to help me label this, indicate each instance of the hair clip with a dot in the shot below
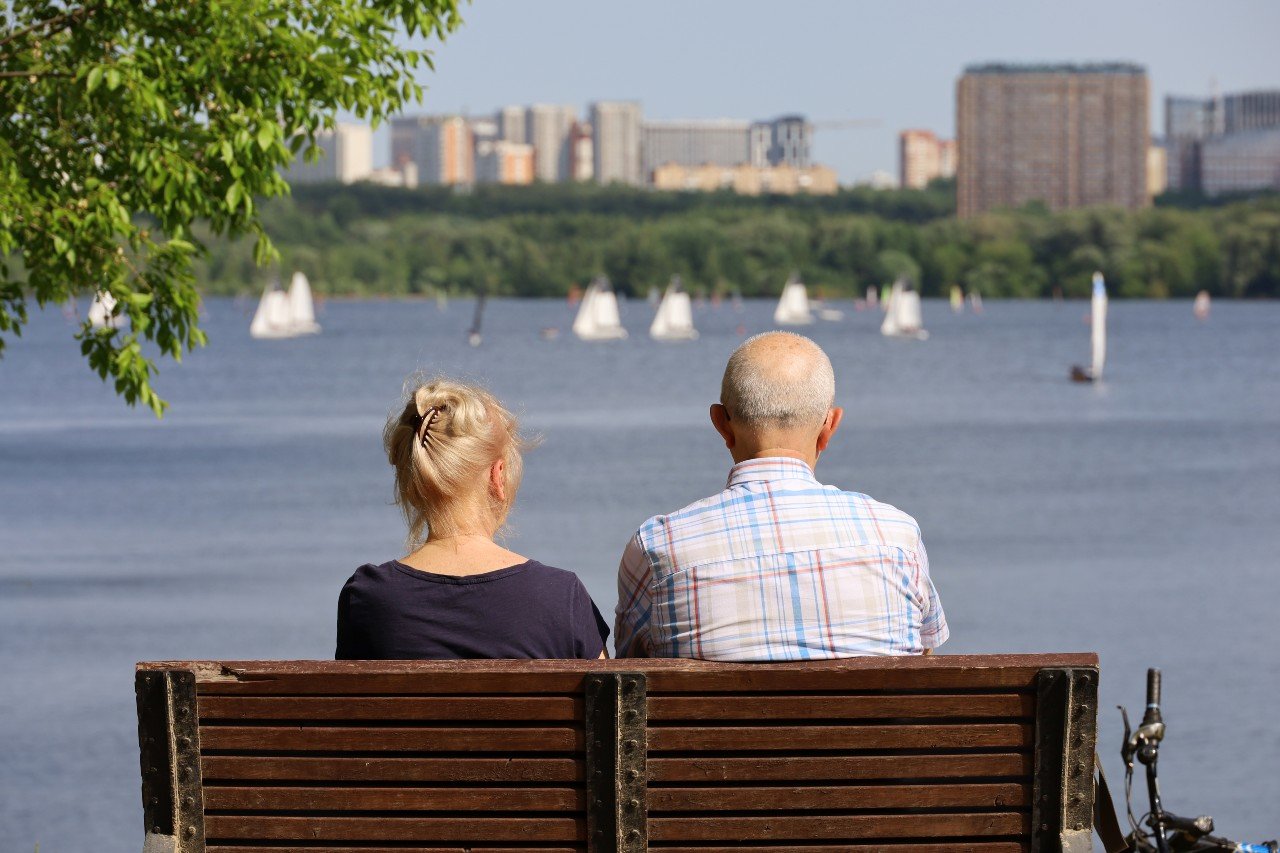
(425, 420)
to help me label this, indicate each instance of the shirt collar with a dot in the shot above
(769, 468)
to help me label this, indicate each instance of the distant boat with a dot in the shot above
(831, 315)
(674, 319)
(957, 299)
(102, 312)
(655, 296)
(597, 318)
(1201, 306)
(283, 314)
(1098, 335)
(975, 302)
(902, 317)
(473, 335)
(793, 305)
(873, 296)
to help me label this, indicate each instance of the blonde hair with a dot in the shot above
(442, 443)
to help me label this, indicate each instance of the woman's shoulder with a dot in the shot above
(539, 571)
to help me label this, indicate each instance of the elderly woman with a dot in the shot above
(458, 594)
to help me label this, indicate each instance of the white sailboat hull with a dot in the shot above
(285, 315)
(902, 318)
(100, 312)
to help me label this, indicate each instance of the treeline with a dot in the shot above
(542, 240)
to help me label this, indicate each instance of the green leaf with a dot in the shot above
(94, 79)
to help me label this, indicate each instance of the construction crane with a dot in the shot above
(845, 123)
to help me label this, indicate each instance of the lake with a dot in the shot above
(1139, 518)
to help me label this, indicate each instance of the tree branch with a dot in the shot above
(55, 24)
(4, 74)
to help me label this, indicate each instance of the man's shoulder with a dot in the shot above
(657, 527)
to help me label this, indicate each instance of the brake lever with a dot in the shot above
(1130, 745)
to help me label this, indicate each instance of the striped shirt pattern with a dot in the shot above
(777, 567)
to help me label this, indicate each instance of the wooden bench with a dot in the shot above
(943, 753)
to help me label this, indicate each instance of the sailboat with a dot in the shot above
(597, 318)
(284, 314)
(101, 312)
(1201, 306)
(902, 317)
(1098, 336)
(873, 297)
(793, 305)
(674, 320)
(473, 336)
(975, 302)
(957, 299)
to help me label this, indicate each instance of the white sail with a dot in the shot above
(793, 305)
(1098, 312)
(957, 299)
(100, 312)
(674, 319)
(902, 316)
(273, 319)
(302, 312)
(597, 318)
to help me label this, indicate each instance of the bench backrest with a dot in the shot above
(990, 753)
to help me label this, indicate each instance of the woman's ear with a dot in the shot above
(498, 480)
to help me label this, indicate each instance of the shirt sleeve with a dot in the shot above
(346, 649)
(590, 631)
(933, 626)
(635, 605)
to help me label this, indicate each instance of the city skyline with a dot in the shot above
(731, 60)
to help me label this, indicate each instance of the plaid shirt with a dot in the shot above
(777, 567)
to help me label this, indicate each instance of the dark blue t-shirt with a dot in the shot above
(394, 612)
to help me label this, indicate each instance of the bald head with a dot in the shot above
(778, 379)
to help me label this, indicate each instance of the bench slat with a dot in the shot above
(462, 848)
(473, 708)
(980, 796)
(377, 739)
(331, 799)
(795, 738)
(900, 847)
(270, 768)
(766, 707)
(662, 708)
(503, 830)
(836, 827)
(837, 768)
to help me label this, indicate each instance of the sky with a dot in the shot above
(895, 61)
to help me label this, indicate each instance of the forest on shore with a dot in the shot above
(367, 240)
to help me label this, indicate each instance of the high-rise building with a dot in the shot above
(791, 142)
(759, 144)
(1064, 135)
(616, 142)
(441, 147)
(1251, 111)
(547, 129)
(511, 124)
(346, 156)
(1187, 123)
(502, 162)
(582, 152)
(716, 142)
(922, 156)
(1245, 161)
(1157, 170)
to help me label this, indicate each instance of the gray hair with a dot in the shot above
(791, 384)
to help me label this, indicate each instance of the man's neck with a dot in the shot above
(774, 452)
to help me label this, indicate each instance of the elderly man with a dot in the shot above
(777, 566)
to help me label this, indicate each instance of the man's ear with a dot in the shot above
(720, 420)
(498, 480)
(829, 427)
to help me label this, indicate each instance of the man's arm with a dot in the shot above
(635, 606)
(933, 628)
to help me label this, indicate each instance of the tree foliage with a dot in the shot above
(124, 123)
(541, 240)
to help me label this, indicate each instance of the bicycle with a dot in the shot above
(1166, 832)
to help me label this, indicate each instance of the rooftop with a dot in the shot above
(1125, 68)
